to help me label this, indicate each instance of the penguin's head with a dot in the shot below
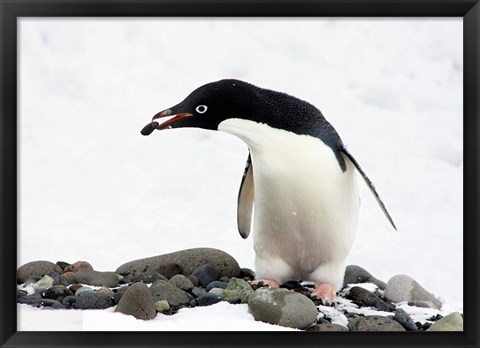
(207, 106)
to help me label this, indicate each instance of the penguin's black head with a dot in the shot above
(207, 106)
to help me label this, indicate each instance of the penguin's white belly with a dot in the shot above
(306, 207)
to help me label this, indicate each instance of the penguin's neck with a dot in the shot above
(281, 148)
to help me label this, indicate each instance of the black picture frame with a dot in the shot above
(12, 10)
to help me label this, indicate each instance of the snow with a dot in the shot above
(92, 188)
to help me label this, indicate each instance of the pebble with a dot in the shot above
(326, 327)
(62, 264)
(157, 276)
(374, 323)
(62, 281)
(246, 273)
(217, 284)
(75, 287)
(105, 291)
(404, 319)
(138, 301)
(217, 291)
(188, 259)
(92, 300)
(83, 290)
(57, 292)
(181, 282)
(206, 274)
(70, 276)
(58, 306)
(69, 301)
(207, 299)
(450, 322)
(355, 274)
(193, 279)
(36, 269)
(404, 288)
(162, 290)
(237, 291)
(79, 266)
(43, 284)
(53, 274)
(108, 279)
(162, 306)
(197, 291)
(282, 307)
(367, 298)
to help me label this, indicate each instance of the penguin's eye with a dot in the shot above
(201, 109)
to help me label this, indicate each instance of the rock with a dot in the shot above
(79, 266)
(75, 287)
(162, 306)
(404, 319)
(30, 299)
(197, 291)
(69, 301)
(169, 270)
(422, 304)
(224, 279)
(157, 276)
(162, 290)
(62, 281)
(404, 288)
(206, 274)
(367, 298)
(374, 323)
(137, 301)
(53, 274)
(216, 284)
(37, 269)
(57, 292)
(105, 291)
(193, 279)
(207, 299)
(181, 282)
(450, 322)
(83, 290)
(108, 279)
(58, 306)
(43, 284)
(188, 260)
(217, 291)
(327, 327)
(246, 273)
(92, 300)
(356, 274)
(237, 291)
(70, 276)
(282, 307)
(21, 293)
(62, 264)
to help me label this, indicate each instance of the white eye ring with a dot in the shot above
(201, 109)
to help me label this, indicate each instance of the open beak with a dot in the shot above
(149, 128)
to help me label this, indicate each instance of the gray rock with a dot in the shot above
(108, 279)
(57, 292)
(181, 282)
(79, 266)
(374, 323)
(237, 291)
(36, 269)
(137, 301)
(157, 276)
(44, 283)
(197, 291)
(356, 274)
(69, 301)
(83, 290)
(62, 281)
(206, 274)
(404, 288)
(93, 300)
(217, 291)
(282, 307)
(207, 299)
(367, 298)
(105, 291)
(188, 260)
(162, 306)
(217, 284)
(450, 322)
(404, 319)
(327, 327)
(162, 290)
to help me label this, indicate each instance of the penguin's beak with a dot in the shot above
(167, 124)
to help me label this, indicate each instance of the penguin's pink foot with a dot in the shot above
(263, 282)
(324, 292)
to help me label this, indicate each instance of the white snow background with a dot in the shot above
(92, 188)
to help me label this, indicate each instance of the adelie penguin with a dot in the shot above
(299, 176)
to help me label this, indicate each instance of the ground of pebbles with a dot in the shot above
(202, 277)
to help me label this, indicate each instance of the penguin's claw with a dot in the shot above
(263, 282)
(325, 293)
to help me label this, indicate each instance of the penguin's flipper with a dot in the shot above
(370, 186)
(245, 200)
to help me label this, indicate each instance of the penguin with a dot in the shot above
(298, 193)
